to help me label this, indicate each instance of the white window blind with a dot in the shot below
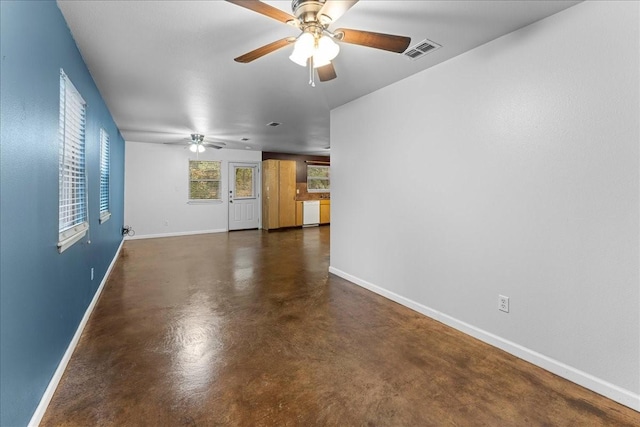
(104, 176)
(72, 218)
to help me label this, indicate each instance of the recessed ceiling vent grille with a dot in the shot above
(421, 49)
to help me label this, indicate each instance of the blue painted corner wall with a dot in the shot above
(44, 294)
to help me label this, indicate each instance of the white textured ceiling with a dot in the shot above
(166, 69)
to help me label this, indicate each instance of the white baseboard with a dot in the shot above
(57, 375)
(176, 234)
(600, 386)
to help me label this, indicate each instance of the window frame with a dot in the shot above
(105, 178)
(190, 180)
(327, 179)
(73, 211)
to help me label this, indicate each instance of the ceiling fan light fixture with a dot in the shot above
(196, 148)
(327, 48)
(320, 61)
(322, 49)
(305, 45)
(298, 58)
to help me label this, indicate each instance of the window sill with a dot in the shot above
(69, 237)
(204, 202)
(104, 217)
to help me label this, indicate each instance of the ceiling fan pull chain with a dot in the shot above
(311, 74)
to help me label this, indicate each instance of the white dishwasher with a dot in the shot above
(311, 212)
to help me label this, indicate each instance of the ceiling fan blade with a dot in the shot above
(388, 42)
(326, 72)
(208, 144)
(264, 9)
(334, 9)
(262, 51)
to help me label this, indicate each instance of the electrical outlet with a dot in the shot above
(91, 273)
(503, 303)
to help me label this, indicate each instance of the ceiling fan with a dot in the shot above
(315, 46)
(197, 143)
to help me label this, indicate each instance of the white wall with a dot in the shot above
(512, 169)
(157, 185)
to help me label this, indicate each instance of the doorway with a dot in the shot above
(244, 196)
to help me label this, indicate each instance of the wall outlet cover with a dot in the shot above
(503, 303)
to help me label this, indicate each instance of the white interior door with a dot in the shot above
(244, 196)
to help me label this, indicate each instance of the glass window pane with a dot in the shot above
(318, 179)
(204, 170)
(317, 172)
(244, 182)
(318, 184)
(206, 190)
(204, 180)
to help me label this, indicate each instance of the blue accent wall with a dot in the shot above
(44, 294)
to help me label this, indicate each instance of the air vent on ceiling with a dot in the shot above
(420, 49)
(274, 124)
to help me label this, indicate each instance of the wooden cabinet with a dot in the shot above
(299, 213)
(287, 203)
(278, 194)
(270, 194)
(325, 211)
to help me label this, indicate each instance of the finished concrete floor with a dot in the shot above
(248, 329)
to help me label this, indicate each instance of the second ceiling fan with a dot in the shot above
(315, 46)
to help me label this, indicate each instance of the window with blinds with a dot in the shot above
(204, 180)
(104, 176)
(73, 220)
